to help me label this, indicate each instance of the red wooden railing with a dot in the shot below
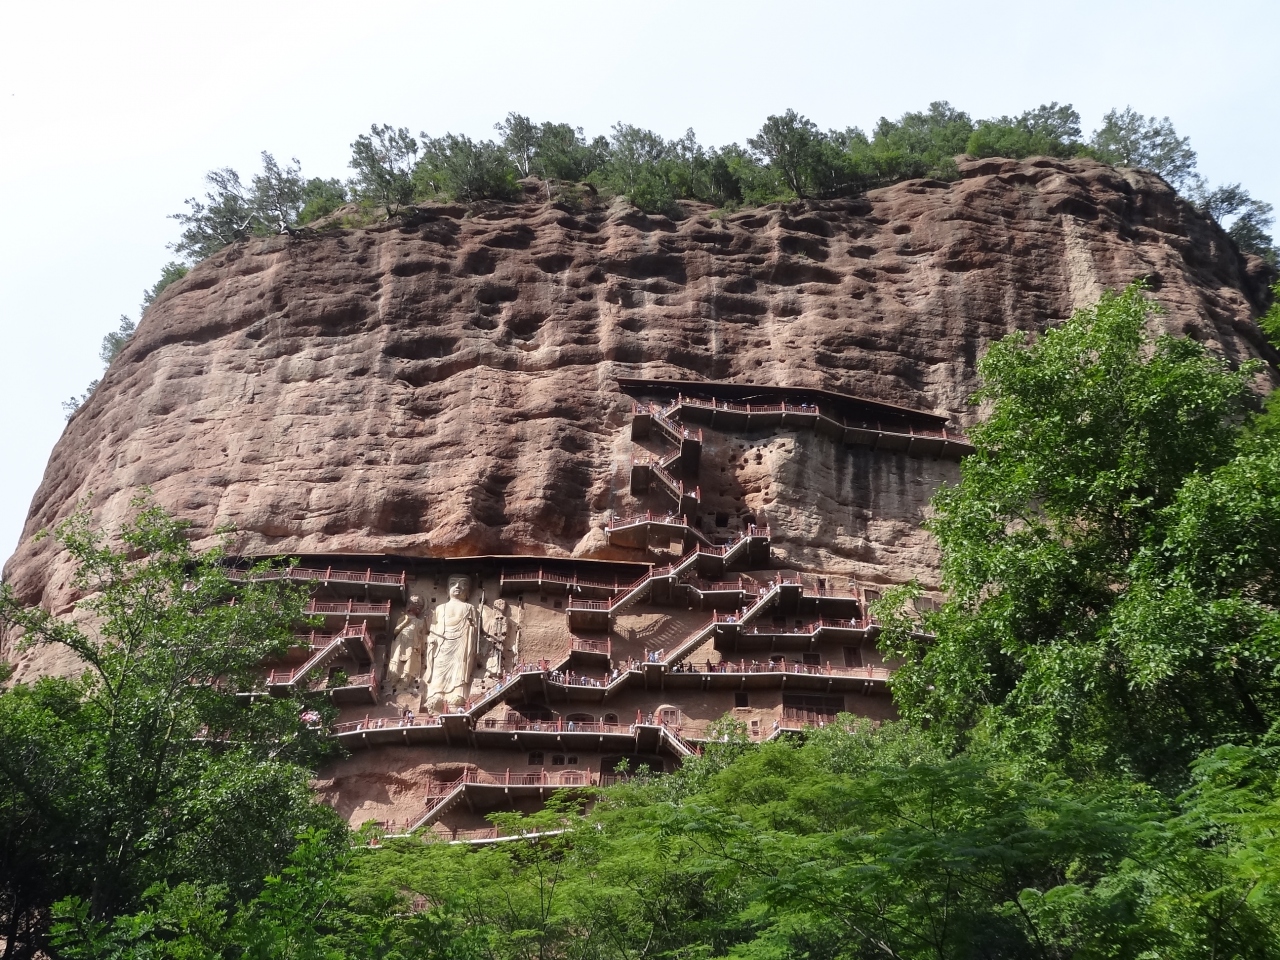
(386, 723)
(744, 667)
(689, 560)
(318, 641)
(320, 651)
(675, 432)
(815, 411)
(349, 608)
(591, 646)
(557, 726)
(550, 576)
(365, 577)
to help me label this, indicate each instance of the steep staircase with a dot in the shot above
(354, 641)
(598, 614)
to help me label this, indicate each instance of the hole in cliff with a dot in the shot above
(490, 293)
(516, 239)
(411, 268)
(790, 273)
(480, 261)
(650, 265)
(1075, 206)
(626, 353)
(739, 285)
(329, 317)
(553, 262)
(812, 225)
(423, 348)
(525, 326)
(731, 307)
(401, 512)
(804, 246)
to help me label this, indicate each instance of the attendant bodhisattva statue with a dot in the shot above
(405, 663)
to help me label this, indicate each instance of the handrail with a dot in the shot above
(386, 723)
(351, 608)
(329, 574)
(321, 654)
(744, 668)
(670, 519)
(815, 411)
(549, 576)
(625, 597)
(359, 680)
(557, 726)
(690, 643)
(567, 678)
(675, 486)
(675, 431)
(591, 646)
(542, 778)
(755, 606)
(317, 640)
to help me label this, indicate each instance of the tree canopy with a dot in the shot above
(1105, 554)
(789, 157)
(149, 768)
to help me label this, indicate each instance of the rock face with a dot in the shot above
(447, 385)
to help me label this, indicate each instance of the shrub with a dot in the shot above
(464, 169)
(1049, 130)
(384, 161)
(169, 273)
(320, 198)
(1129, 139)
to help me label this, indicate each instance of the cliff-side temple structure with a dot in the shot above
(512, 677)
(569, 484)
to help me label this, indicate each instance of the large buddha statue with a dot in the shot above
(453, 645)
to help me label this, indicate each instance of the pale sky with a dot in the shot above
(110, 113)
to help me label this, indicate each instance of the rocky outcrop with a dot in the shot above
(446, 384)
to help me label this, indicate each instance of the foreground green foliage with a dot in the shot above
(1111, 556)
(860, 842)
(147, 769)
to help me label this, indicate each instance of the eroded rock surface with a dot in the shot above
(447, 386)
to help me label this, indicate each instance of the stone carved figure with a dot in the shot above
(453, 646)
(496, 625)
(405, 663)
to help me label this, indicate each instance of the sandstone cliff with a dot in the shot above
(447, 385)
